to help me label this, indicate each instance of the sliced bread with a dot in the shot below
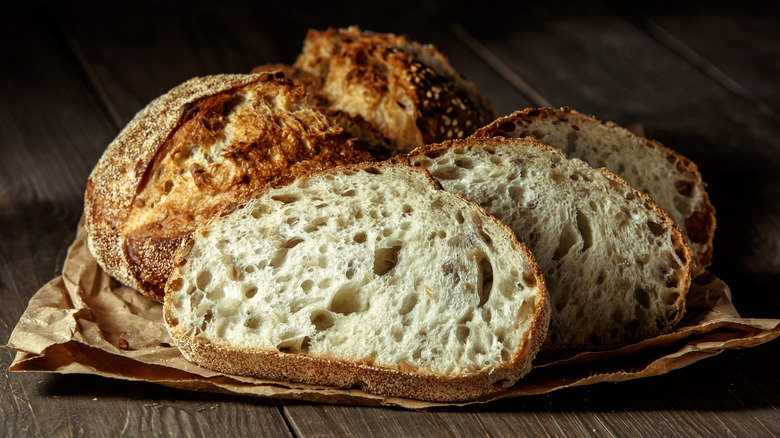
(368, 276)
(617, 267)
(672, 180)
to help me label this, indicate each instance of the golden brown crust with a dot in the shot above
(390, 91)
(207, 142)
(369, 377)
(699, 226)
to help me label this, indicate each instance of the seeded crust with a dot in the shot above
(674, 181)
(207, 142)
(391, 380)
(393, 92)
(529, 186)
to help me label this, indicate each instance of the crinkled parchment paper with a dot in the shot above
(85, 322)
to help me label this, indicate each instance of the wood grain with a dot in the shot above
(74, 74)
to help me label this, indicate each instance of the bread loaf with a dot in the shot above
(365, 276)
(617, 267)
(388, 90)
(670, 179)
(207, 142)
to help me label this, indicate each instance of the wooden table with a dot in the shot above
(703, 80)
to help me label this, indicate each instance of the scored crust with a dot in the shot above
(698, 224)
(209, 141)
(385, 380)
(393, 92)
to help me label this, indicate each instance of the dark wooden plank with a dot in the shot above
(734, 45)
(131, 64)
(52, 131)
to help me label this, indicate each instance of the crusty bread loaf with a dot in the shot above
(617, 267)
(367, 276)
(672, 180)
(207, 142)
(391, 91)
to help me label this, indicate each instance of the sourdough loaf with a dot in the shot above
(393, 92)
(617, 267)
(672, 180)
(368, 276)
(208, 142)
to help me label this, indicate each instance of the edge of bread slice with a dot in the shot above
(673, 181)
(366, 276)
(616, 266)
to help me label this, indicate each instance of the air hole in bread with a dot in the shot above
(465, 163)
(685, 188)
(347, 300)
(292, 243)
(585, 229)
(373, 170)
(292, 345)
(234, 274)
(448, 173)
(407, 209)
(557, 176)
(462, 334)
(349, 193)
(484, 279)
(405, 226)
(656, 229)
(442, 234)
(387, 232)
(286, 198)
(385, 259)
(322, 320)
(306, 285)
(279, 258)
(359, 237)
(250, 292)
(176, 284)
(408, 304)
(168, 187)
(459, 217)
(566, 240)
(203, 279)
(324, 283)
(643, 297)
(437, 204)
(529, 279)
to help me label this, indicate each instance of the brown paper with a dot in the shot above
(85, 322)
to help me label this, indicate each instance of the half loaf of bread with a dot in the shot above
(364, 276)
(393, 92)
(207, 142)
(672, 180)
(617, 267)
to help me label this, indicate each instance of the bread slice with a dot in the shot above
(672, 180)
(207, 142)
(367, 276)
(390, 90)
(617, 267)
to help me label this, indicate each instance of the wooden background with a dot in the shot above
(702, 79)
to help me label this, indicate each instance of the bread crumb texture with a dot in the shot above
(617, 268)
(371, 266)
